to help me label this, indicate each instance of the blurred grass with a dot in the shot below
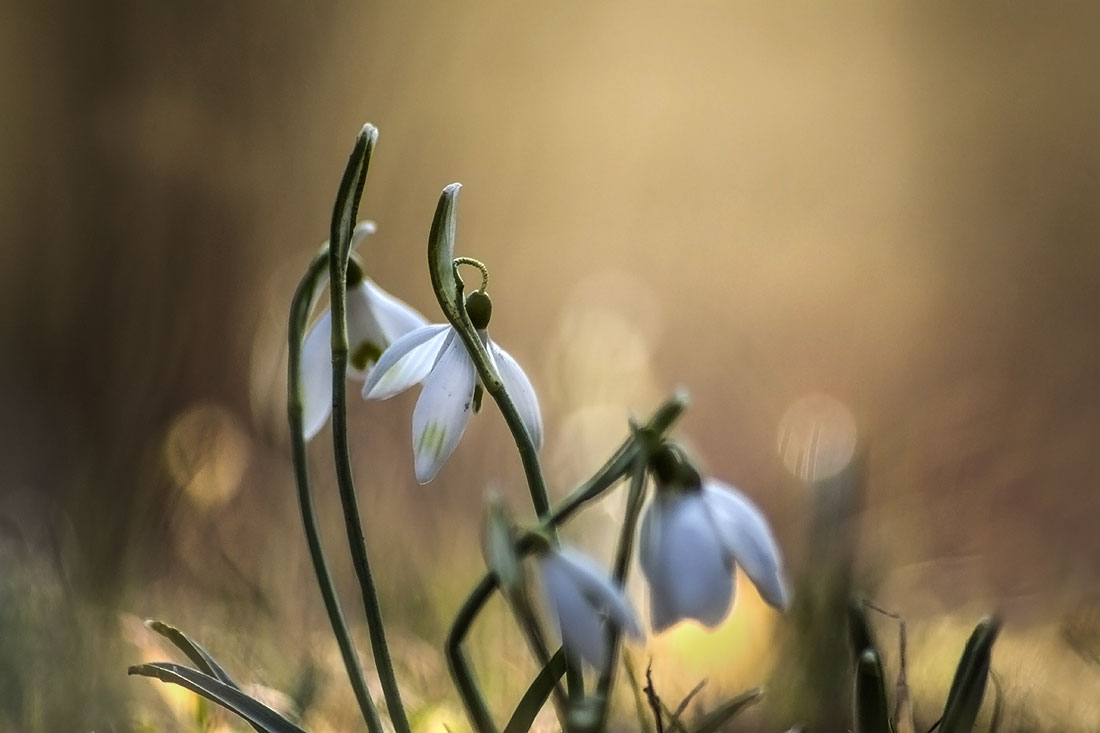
(893, 204)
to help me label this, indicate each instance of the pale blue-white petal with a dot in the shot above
(578, 624)
(443, 409)
(579, 596)
(406, 361)
(394, 317)
(747, 539)
(520, 390)
(684, 562)
(317, 376)
(598, 588)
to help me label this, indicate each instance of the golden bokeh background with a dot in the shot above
(866, 227)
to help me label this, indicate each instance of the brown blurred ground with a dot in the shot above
(892, 204)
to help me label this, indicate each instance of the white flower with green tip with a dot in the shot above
(375, 320)
(692, 539)
(436, 356)
(583, 600)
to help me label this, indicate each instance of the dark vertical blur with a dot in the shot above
(895, 205)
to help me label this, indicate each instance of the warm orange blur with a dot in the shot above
(892, 207)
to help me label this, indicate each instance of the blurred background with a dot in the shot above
(866, 228)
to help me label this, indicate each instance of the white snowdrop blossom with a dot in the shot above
(691, 541)
(436, 356)
(582, 600)
(375, 320)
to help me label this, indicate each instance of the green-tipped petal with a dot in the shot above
(443, 409)
(406, 362)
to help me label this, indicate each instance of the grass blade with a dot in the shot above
(255, 712)
(199, 656)
(536, 695)
(727, 711)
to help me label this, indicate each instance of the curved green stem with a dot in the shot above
(461, 671)
(343, 220)
(623, 552)
(299, 316)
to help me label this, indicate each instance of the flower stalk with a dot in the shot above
(343, 218)
(299, 315)
(624, 551)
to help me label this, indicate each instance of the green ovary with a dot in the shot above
(364, 354)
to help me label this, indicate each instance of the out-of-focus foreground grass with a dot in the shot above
(892, 204)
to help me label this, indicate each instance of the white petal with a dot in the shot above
(363, 328)
(579, 595)
(405, 362)
(684, 562)
(520, 390)
(394, 317)
(443, 409)
(747, 538)
(317, 376)
(362, 229)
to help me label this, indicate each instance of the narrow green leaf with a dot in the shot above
(255, 712)
(448, 287)
(727, 711)
(536, 695)
(871, 714)
(201, 658)
(441, 255)
(968, 687)
(349, 193)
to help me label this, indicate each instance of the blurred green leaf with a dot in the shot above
(727, 711)
(498, 546)
(536, 695)
(871, 714)
(968, 687)
(252, 710)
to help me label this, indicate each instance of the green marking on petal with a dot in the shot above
(432, 439)
(364, 354)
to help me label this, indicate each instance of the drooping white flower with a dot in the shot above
(692, 540)
(375, 320)
(436, 356)
(582, 600)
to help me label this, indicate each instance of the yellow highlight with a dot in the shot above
(733, 656)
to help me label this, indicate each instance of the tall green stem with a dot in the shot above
(623, 553)
(299, 316)
(343, 220)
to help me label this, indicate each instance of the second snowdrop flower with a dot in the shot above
(375, 320)
(694, 534)
(436, 356)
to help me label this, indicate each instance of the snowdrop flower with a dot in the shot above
(693, 536)
(436, 356)
(581, 597)
(375, 319)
